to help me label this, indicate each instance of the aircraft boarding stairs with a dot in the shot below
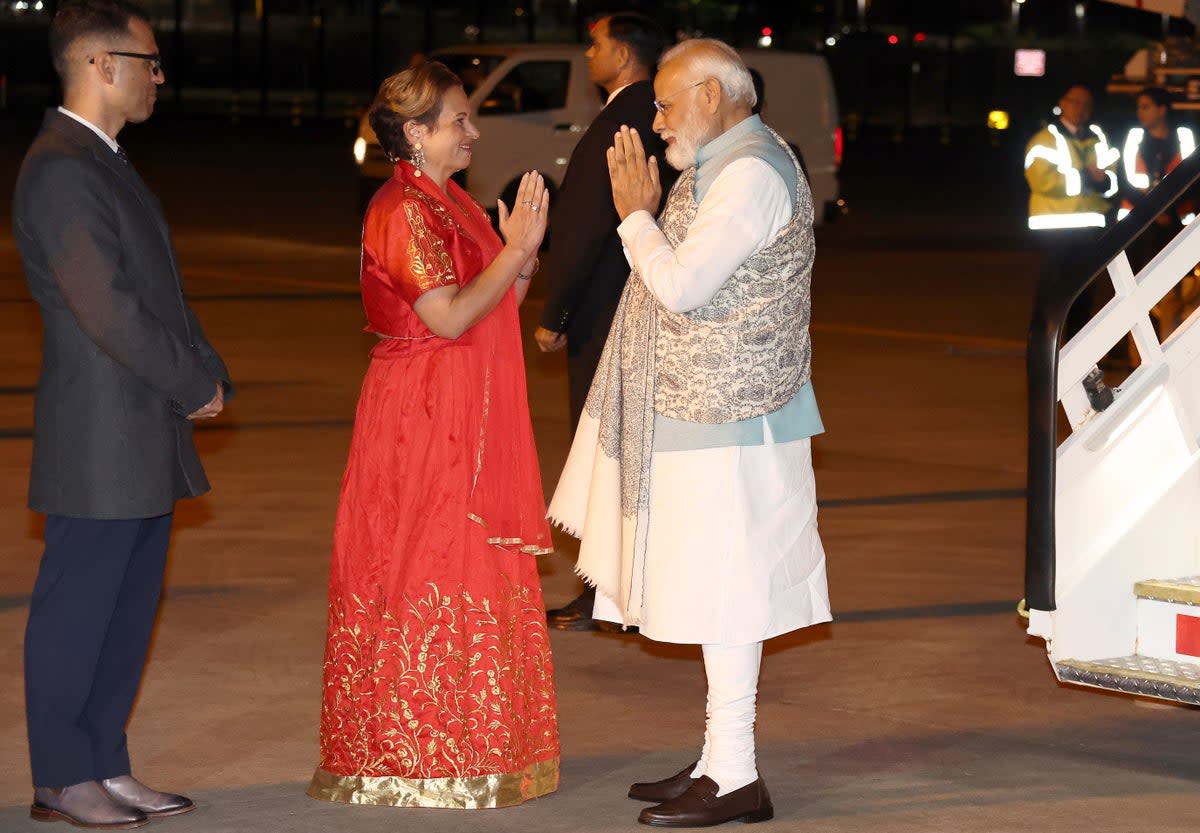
(1113, 525)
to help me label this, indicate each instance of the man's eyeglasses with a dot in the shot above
(660, 103)
(155, 59)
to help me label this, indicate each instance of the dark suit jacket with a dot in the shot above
(124, 359)
(586, 269)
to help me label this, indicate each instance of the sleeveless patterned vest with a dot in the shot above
(747, 352)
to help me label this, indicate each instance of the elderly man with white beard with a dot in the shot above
(690, 479)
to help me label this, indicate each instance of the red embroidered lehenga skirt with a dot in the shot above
(438, 682)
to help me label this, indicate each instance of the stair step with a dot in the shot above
(1179, 590)
(1135, 674)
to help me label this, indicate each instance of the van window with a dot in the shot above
(472, 69)
(530, 87)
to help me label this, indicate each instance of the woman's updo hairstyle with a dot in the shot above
(412, 95)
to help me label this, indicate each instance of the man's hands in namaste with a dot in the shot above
(635, 184)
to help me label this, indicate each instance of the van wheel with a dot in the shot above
(509, 196)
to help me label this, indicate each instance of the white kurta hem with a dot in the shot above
(733, 552)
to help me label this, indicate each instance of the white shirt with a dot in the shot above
(744, 209)
(108, 140)
(614, 94)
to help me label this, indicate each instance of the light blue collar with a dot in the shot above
(749, 137)
(728, 139)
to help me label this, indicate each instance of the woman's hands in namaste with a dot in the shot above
(525, 226)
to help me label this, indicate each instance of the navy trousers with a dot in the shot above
(90, 620)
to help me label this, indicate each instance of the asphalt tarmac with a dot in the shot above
(922, 708)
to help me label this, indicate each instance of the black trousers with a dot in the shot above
(587, 334)
(90, 621)
(1062, 250)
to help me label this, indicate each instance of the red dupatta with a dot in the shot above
(506, 496)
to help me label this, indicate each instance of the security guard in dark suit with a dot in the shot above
(586, 268)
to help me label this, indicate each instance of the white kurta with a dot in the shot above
(733, 554)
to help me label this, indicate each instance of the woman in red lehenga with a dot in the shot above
(438, 683)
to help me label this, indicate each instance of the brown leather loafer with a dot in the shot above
(85, 805)
(666, 789)
(700, 806)
(133, 793)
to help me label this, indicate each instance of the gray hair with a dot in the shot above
(712, 58)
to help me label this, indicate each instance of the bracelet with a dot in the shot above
(521, 276)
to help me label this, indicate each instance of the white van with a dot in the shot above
(533, 101)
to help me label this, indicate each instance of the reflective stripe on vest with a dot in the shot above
(1133, 143)
(1060, 158)
(1122, 213)
(1082, 219)
(1133, 146)
(1112, 184)
(1105, 155)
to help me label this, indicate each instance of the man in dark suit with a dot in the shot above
(125, 369)
(586, 269)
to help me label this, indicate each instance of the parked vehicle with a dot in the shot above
(532, 102)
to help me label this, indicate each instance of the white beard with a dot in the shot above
(681, 154)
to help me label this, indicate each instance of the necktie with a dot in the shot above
(122, 155)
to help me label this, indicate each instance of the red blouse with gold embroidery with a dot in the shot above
(412, 244)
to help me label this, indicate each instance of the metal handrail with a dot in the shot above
(1051, 302)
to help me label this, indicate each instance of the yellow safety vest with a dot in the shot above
(1062, 195)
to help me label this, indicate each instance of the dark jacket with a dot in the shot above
(124, 359)
(586, 268)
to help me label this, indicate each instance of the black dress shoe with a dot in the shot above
(86, 805)
(605, 626)
(700, 806)
(129, 791)
(666, 789)
(575, 615)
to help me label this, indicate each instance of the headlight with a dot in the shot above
(360, 150)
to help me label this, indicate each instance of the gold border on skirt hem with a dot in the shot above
(473, 793)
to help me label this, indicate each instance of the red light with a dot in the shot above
(893, 39)
(766, 31)
(838, 147)
(919, 37)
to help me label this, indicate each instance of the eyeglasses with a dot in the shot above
(155, 59)
(662, 107)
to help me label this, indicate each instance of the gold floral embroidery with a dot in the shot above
(444, 686)
(428, 259)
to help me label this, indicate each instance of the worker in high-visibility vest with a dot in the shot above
(1070, 168)
(1151, 151)
(1072, 174)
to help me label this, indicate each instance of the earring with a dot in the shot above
(418, 157)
